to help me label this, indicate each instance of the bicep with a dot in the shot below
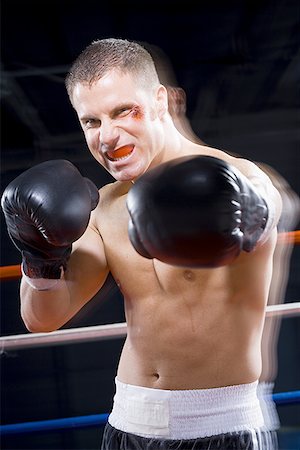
(87, 269)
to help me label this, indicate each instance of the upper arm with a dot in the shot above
(87, 269)
(86, 272)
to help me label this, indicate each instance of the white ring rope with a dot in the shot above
(102, 332)
(284, 310)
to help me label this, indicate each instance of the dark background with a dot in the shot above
(238, 62)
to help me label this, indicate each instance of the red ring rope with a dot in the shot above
(13, 272)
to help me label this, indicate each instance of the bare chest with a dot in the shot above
(141, 278)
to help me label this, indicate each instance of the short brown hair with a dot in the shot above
(106, 54)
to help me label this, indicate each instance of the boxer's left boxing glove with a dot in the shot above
(46, 209)
(196, 212)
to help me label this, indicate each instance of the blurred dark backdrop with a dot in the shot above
(238, 62)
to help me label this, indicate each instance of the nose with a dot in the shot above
(109, 136)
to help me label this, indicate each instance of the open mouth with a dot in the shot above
(120, 153)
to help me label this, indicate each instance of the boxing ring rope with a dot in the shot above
(10, 272)
(61, 337)
(97, 332)
(13, 272)
(92, 420)
(289, 237)
(75, 335)
(102, 332)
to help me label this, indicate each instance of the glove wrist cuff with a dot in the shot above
(42, 284)
(40, 267)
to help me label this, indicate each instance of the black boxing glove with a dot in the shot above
(194, 211)
(46, 209)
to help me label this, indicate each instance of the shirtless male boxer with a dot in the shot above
(190, 247)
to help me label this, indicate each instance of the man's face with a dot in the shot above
(121, 122)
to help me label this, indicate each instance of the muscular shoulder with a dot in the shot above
(245, 166)
(249, 169)
(111, 204)
(112, 192)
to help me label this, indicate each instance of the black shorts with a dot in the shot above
(114, 439)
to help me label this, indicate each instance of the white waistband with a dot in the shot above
(268, 406)
(185, 414)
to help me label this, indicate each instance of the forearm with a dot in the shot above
(48, 310)
(44, 311)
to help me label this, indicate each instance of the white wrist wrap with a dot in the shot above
(42, 284)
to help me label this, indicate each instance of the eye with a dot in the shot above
(124, 111)
(91, 123)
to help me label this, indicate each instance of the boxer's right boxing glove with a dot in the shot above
(47, 208)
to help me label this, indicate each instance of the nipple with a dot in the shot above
(189, 275)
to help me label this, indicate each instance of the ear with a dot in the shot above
(176, 101)
(162, 100)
